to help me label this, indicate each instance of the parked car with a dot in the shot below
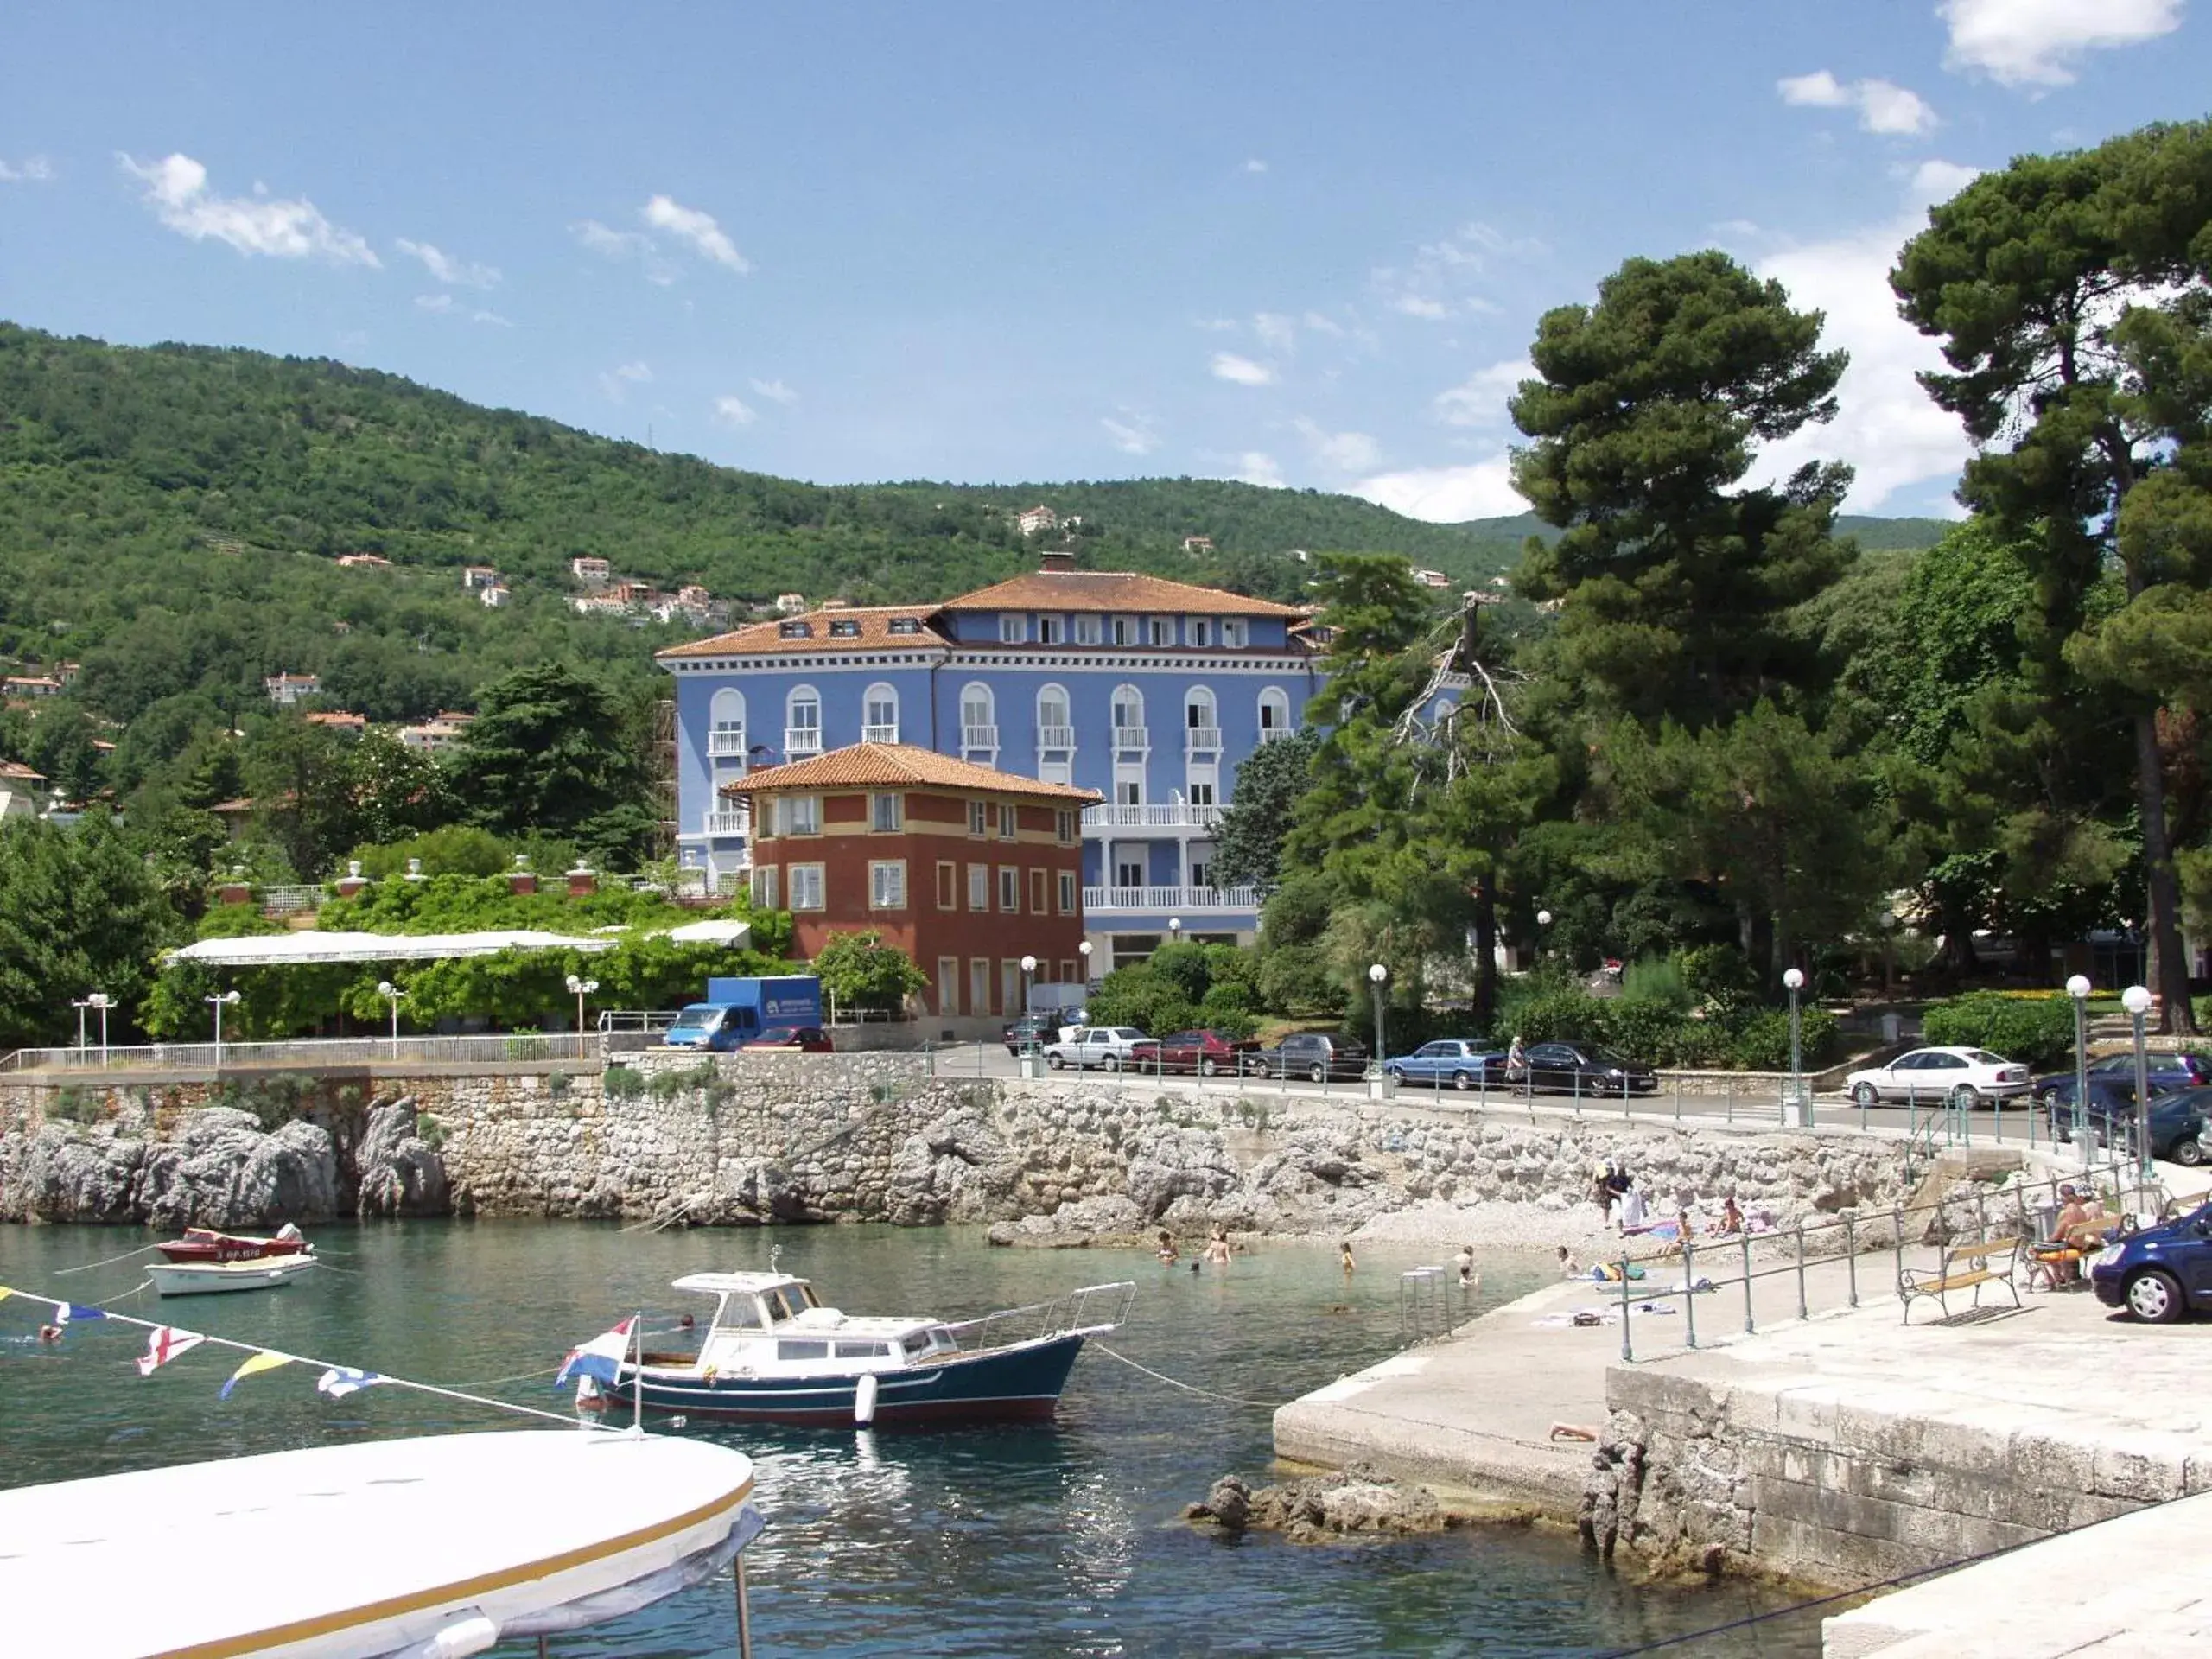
(1038, 1028)
(1206, 1052)
(1463, 1062)
(2108, 1095)
(1112, 1047)
(2159, 1273)
(1962, 1076)
(2165, 1071)
(790, 1039)
(2178, 1120)
(1317, 1056)
(1585, 1069)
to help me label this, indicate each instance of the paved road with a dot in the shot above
(2013, 1125)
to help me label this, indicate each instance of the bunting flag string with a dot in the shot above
(335, 1382)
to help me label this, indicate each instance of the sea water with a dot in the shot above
(1023, 1539)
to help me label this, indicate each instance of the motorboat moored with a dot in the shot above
(772, 1353)
(206, 1244)
(205, 1278)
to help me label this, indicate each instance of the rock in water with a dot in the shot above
(1229, 1504)
(62, 1175)
(401, 1174)
(1355, 1500)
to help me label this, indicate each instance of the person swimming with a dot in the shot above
(1167, 1251)
(1345, 1255)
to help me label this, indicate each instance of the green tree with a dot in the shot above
(859, 970)
(1646, 409)
(1248, 845)
(548, 753)
(2037, 280)
(79, 913)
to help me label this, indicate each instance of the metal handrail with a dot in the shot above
(1071, 1311)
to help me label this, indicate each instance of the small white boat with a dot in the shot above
(445, 1545)
(206, 1278)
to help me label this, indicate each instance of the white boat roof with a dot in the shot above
(721, 1284)
(354, 1551)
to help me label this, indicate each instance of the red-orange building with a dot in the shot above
(966, 868)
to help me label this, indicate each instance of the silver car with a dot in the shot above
(1111, 1048)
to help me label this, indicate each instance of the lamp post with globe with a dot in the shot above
(392, 993)
(1376, 974)
(581, 988)
(1793, 982)
(2077, 990)
(2137, 1000)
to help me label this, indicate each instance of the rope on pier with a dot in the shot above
(1203, 1393)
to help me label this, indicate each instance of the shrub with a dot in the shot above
(1718, 976)
(1761, 1043)
(430, 1131)
(622, 1083)
(556, 1084)
(1137, 996)
(2035, 1032)
(1643, 1028)
(1296, 980)
(73, 1105)
(1228, 1009)
(1564, 1016)
(1657, 980)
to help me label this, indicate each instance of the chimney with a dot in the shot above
(1055, 561)
(522, 878)
(351, 884)
(582, 881)
(235, 889)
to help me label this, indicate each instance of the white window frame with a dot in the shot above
(802, 815)
(1009, 822)
(1010, 882)
(979, 887)
(885, 803)
(1199, 630)
(720, 721)
(799, 697)
(809, 890)
(1014, 630)
(764, 887)
(1200, 699)
(1128, 631)
(1161, 631)
(877, 698)
(1087, 629)
(1236, 633)
(978, 694)
(886, 884)
(1067, 892)
(1126, 695)
(979, 818)
(1273, 697)
(1051, 630)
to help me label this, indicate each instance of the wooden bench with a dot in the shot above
(1965, 1265)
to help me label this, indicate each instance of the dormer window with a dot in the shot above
(1012, 630)
(1086, 630)
(1051, 630)
(795, 631)
(1201, 631)
(845, 627)
(905, 624)
(1236, 632)
(1125, 630)
(1163, 630)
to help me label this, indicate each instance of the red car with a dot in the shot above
(1206, 1052)
(791, 1039)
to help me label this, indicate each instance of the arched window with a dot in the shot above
(1128, 718)
(880, 715)
(726, 726)
(1055, 728)
(979, 721)
(802, 721)
(1198, 708)
(1274, 713)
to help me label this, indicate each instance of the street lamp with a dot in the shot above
(80, 1006)
(1083, 951)
(2078, 988)
(1793, 981)
(1028, 968)
(225, 1000)
(1376, 973)
(103, 1001)
(1174, 930)
(1543, 921)
(582, 989)
(1888, 921)
(2136, 1001)
(392, 994)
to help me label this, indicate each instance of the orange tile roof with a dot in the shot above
(1112, 590)
(867, 766)
(17, 770)
(875, 633)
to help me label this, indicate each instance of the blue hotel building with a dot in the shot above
(1152, 692)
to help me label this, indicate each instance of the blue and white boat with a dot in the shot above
(772, 1353)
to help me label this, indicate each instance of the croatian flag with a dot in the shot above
(341, 1380)
(65, 1312)
(600, 1357)
(164, 1344)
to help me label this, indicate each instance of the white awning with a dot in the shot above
(312, 945)
(735, 934)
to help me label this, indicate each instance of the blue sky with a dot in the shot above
(1299, 244)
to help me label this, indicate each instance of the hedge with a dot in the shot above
(1655, 1031)
(2033, 1031)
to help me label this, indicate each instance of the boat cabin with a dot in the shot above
(772, 1323)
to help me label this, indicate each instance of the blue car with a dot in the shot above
(1460, 1061)
(2165, 1072)
(2161, 1273)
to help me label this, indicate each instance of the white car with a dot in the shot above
(1110, 1046)
(1957, 1077)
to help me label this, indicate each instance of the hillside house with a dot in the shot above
(442, 731)
(790, 604)
(338, 720)
(31, 685)
(363, 561)
(593, 573)
(494, 596)
(1432, 578)
(599, 605)
(23, 791)
(285, 690)
(473, 576)
(1037, 521)
(1198, 544)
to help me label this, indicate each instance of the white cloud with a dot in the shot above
(612, 243)
(774, 390)
(736, 410)
(1134, 434)
(1888, 429)
(1447, 495)
(492, 318)
(1316, 323)
(32, 170)
(1348, 452)
(699, 229)
(176, 189)
(1437, 282)
(1479, 400)
(1417, 305)
(1257, 466)
(1883, 106)
(1939, 180)
(1256, 165)
(1274, 330)
(2033, 42)
(441, 303)
(444, 268)
(444, 305)
(1241, 370)
(616, 382)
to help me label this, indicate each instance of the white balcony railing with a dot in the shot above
(1181, 900)
(1132, 737)
(1199, 738)
(1056, 737)
(979, 737)
(729, 823)
(725, 744)
(1172, 814)
(878, 735)
(802, 740)
(1268, 734)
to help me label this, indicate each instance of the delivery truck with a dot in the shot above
(737, 1009)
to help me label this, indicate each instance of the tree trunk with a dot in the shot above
(2169, 967)
(1485, 957)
